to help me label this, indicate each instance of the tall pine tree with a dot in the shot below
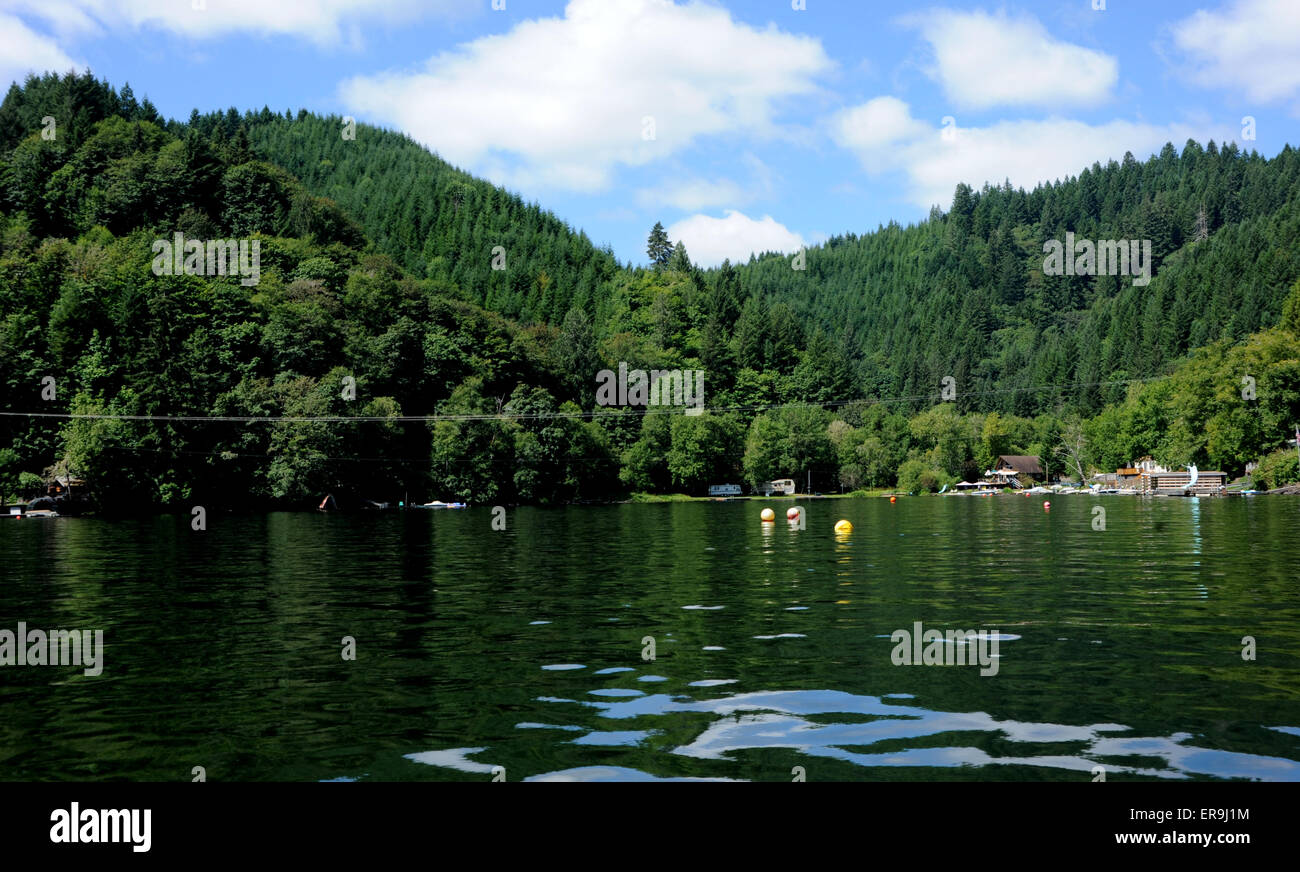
(659, 247)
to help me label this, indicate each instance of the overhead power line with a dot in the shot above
(608, 412)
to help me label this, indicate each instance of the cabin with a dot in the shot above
(1021, 468)
(724, 490)
(64, 486)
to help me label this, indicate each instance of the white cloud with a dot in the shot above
(1253, 46)
(325, 22)
(26, 51)
(873, 128)
(984, 60)
(934, 160)
(710, 240)
(691, 195)
(63, 16)
(561, 102)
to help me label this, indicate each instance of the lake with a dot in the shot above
(526, 648)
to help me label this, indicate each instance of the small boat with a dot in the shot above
(438, 504)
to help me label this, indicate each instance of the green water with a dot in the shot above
(523, 648)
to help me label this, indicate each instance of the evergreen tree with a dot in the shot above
(149, 113)
(130, 108)
(575, 356)
(658, 247)
(680, 261)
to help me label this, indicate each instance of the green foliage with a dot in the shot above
(645, 462)
(942, 437)
(790, 442)
(870, 454)
(574, 354)
(1226, 406)
(704, 450)
(658, 246)
(10, 470)
(964, 294)
(1291, 310)
(377, 265)
(432, 219)
(680, 261)
(914, 477)
(1277, 469)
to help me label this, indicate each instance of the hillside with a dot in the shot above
(82, 303)
(435, 220)
(961, 294)
(376, 265)
(964, 294)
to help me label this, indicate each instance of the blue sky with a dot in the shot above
(742, 126)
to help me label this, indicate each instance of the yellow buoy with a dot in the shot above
(768, 515)
(843, 527)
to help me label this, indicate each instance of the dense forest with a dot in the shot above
(962, 294)
(468, 327)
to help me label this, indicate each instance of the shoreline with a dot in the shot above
(648, 498)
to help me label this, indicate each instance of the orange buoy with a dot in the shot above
(893, 499)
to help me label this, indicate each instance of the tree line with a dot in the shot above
(379, 272)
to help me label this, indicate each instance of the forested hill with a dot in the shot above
(435, 220)
(964, 294)
(328, 326)
(368, 304)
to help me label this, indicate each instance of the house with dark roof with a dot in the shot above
(1019, 467)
